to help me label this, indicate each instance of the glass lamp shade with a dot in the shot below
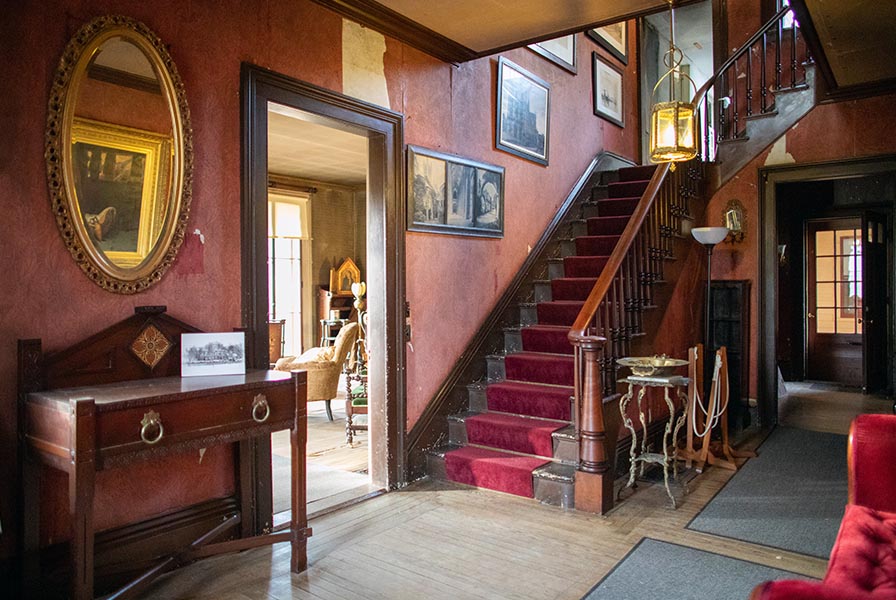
(672, 132)
(709, 236)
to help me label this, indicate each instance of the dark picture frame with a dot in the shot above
(560, 51)
(612, 38)
(522, 122)
(454, 195)
(606, 86)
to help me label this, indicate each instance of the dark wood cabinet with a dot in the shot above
(729, 326)
(333, 310)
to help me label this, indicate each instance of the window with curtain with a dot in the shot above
(288, 226)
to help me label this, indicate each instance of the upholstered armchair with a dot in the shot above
(863, 562)
(323, 364)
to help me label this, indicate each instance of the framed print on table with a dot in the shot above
(523, 113)
(607, 87)
(613, 38)
(560, 51)
(455, 195)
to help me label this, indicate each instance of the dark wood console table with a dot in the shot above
(84, 430)
(116, 399)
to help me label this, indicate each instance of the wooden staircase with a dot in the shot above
(536, 424)
(518, 434)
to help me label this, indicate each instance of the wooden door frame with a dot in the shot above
(386, 213)
(769, 178)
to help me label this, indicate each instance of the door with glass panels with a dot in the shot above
(834, 290)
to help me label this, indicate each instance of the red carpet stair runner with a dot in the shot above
(517, 437)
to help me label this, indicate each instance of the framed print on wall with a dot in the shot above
(613, 38)
(523, 113)
(455, 195)
(560, 51)
(606, 84)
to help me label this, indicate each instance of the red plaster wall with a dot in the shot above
(452, 281)
(829, 132)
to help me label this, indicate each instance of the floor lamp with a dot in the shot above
(709, 237)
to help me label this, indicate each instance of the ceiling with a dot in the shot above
(461, 30)
(302, 149)
(853, 42)
(857, 39)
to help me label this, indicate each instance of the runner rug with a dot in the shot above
(792, 496)
(656, 570)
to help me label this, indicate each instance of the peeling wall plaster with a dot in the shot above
(363, 74)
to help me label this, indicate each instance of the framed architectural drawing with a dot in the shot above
(613, 38)
(452, 194)
(560, 51)
(523, 113)
(607, 88)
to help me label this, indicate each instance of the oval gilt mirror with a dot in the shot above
(119, 154)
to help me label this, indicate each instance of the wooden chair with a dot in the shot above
(356, 382)
(276, 342)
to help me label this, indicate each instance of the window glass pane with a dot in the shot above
(825, 320)
(824, 243)
(825, 269)
(825, 296)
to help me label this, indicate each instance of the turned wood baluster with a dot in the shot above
(749, 82)
(778, 37)
(763, 83)
(793, 63)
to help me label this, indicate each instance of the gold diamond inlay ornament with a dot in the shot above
(151, 346)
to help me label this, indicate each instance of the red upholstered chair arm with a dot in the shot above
(793, 589)
(872, 462)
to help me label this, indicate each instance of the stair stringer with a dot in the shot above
(762, 131)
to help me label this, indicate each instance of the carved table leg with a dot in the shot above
(666, 432)
(80, 497)
(627, 422)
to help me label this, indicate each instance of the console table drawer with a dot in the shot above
(193, 422)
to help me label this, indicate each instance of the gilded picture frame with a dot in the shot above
(341, 279)
(119, 174)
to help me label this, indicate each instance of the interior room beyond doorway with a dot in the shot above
(317, 233)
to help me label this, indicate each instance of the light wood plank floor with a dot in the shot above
(439, 540)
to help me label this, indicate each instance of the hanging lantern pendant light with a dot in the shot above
(673, 128)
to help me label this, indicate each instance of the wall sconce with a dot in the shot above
(735, 218)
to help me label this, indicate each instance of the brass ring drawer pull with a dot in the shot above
(260, 409)
(151, 420)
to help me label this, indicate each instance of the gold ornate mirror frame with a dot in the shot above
(130, 275)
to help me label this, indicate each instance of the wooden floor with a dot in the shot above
(438, 540)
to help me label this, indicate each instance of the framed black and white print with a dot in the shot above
(523, 113)
(613, 38)
(607, 89)
(560, 51)
(455, 195)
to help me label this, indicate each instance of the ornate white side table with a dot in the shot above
(640, 455)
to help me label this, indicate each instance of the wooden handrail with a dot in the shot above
(594, 477)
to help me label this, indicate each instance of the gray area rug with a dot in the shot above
(656, 570)
(792, 496)
(322, 482)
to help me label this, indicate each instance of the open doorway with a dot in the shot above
(269, 97)
(317, 223)
(826, 320)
